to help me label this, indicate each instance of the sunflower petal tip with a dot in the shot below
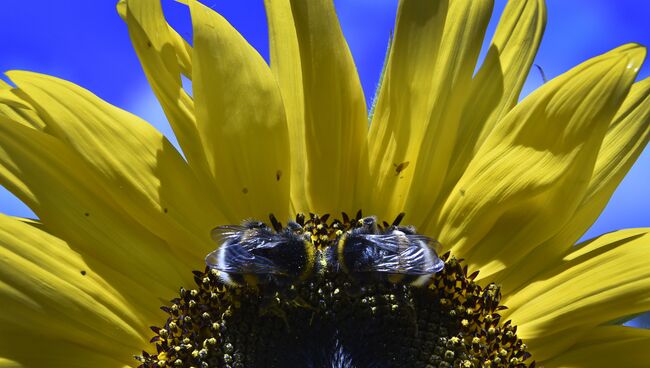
(14, 74)
(628, 59)
(635, 53)
(636, 57)
(121, 9)
(17, 73)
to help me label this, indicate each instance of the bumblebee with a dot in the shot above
(255, 254)
(396, 254)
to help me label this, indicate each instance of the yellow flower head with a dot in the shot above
(504, 188)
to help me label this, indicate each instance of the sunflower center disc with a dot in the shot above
(331, 320)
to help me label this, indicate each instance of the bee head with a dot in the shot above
(294, 227)
(368, 225)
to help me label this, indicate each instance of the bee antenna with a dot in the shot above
(359, 215)
(398, 219)
(325, 217)
(277, 225)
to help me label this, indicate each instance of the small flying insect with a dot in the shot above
(396, 254)
(254, 254)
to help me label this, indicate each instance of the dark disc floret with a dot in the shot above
(332, 320)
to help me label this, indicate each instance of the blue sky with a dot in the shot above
(87, 43)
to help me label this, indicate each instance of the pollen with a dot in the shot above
(330, 317)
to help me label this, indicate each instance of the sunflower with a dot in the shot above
(505, 187)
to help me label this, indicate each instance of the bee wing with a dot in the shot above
(393, 253)
(249, 238)
(222, 234)
(234, 258)
(241, 251)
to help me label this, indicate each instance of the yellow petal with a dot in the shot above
(18, 109)
(8, 97)
(75, 204)
(414, 125)
(6, 363)
(164, 56)
(31, 222)
(241, 120)
(334, 116)
(605, 347)
(494, 91)
(143, 173)
(528, 178)
(44, 295)
(35, 351)
(601, 281)
(148, 14)
(285, 65)
(626, 138)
